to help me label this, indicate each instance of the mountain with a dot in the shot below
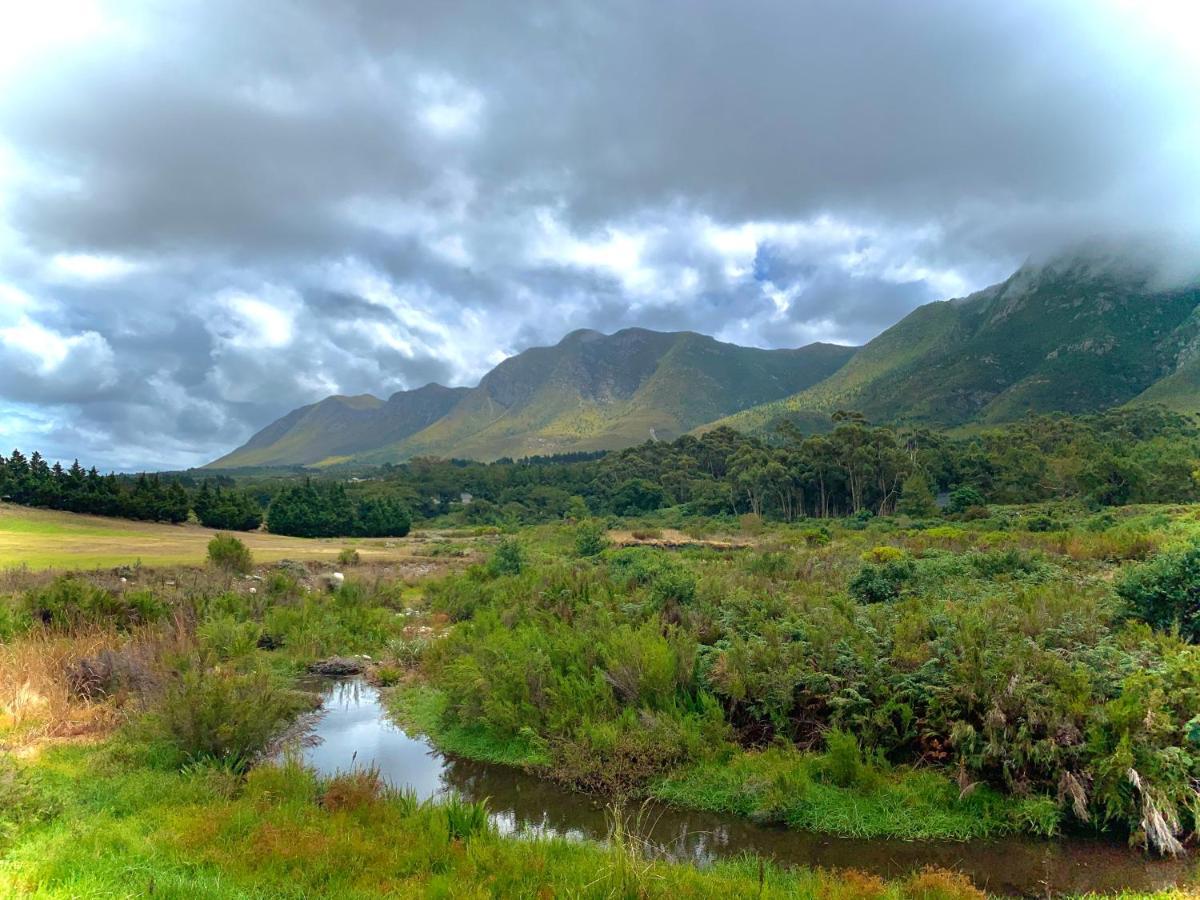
(588, 392)
(1080, 334)
(339, 427)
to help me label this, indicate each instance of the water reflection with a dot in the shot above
(354, 730)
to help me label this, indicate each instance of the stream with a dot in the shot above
(355, 730)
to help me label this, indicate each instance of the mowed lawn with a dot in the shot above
(47, 539)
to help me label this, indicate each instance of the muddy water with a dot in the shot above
(354, 730)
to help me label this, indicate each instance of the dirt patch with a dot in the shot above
(673, 539)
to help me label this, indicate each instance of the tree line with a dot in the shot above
(1146, 455)
(304, 510)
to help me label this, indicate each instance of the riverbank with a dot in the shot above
(774, 786)
(96, 821)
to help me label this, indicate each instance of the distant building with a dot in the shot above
(465, 499)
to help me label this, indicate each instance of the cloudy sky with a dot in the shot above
(212, 212)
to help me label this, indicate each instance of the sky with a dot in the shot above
(214, 211)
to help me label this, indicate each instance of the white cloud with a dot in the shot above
(253, 323)
(90, 267)
(47, 366)
(448, 108)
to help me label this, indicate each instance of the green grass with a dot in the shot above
(774, 786)
(105, 827)
(419, 708)
(786, 787)
(49, 539)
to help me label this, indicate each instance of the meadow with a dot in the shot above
(49, 539)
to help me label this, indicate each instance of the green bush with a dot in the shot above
(881, 582)
(508, 559)
(228, 637)
(221, 715)
(348, 556)
(843, 761)
(71, 602)
(1164, 592)
(590, 539)
(963, 498)
(229, 554)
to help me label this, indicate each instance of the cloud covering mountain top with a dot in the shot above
(211, 213)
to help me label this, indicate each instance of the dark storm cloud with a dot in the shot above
(213, 212)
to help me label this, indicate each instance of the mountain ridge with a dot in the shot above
(1073, 335)
(590, 391)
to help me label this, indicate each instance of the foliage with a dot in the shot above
(883, 581)
(590, 539)
(466, 819)
(1165, 591)
(33, 481)
(916, 499)
(220, 715)
(508, 558)
(226, 508)
(962, 498)
(325, 509)
(228, 553)
(73, 602)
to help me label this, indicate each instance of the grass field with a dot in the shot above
(47, 539)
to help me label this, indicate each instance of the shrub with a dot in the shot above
(229, 637)
(963, 498)
(387, 676)
(1165, 591)
(843, 762)
(590, 539)
(230, 554)
(509, 558)
(881, 582)
(354, 789)
(674, 586)
(71, 602)
(226, 717)
(348, 556)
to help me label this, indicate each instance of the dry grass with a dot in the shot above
(35, 702)
(672, 537)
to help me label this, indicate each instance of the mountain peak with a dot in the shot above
(589, 391)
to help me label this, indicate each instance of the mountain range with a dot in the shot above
(588, 392)
(1081, 333)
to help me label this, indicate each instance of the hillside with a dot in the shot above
(1077, 335)
(588, 392)
(342, 426)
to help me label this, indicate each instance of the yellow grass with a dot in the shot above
(673, 537)
(34, 700)
(47, 539)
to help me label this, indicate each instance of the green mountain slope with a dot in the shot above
(1076, 335)
(342, 426)
(588, 392)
